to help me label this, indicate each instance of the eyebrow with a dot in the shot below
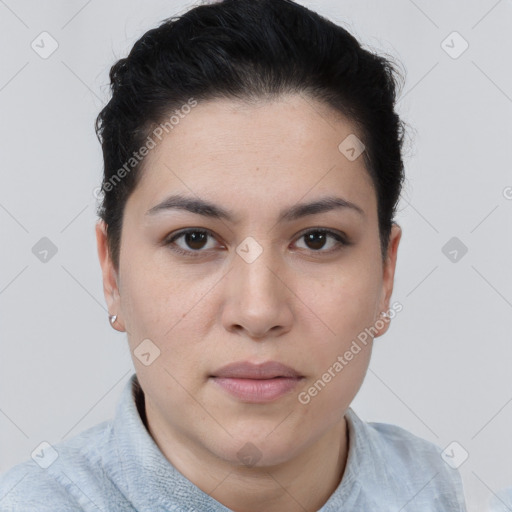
(208, 209)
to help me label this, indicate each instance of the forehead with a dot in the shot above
(280, 150)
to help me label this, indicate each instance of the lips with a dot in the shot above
(246, 370)
(256, 383)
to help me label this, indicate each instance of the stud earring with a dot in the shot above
(112, 319)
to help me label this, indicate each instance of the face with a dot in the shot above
(253, 279)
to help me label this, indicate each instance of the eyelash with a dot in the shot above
(342, 241)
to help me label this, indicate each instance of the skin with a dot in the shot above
(298, 303)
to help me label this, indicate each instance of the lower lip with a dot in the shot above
(257, 390)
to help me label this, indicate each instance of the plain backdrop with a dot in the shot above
(443, 370)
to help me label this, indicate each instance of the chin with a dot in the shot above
(261, 449)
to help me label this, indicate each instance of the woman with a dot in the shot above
(252, 167)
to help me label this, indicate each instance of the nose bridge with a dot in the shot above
(254, 268)
(256, 298)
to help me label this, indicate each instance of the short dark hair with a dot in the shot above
(248, 50)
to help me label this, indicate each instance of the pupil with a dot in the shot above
(319, 242)
(195, 238)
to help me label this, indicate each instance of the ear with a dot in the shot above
(110, 277)
(389, 266)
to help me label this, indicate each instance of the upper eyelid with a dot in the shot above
(180, 233)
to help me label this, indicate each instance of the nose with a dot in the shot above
(257, 298)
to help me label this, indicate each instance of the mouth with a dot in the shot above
(256, 383)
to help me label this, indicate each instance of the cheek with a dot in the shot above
(151, 299)
(167, 305)
(339, 355)
(339, 348)
(154, 306)
(343, 302)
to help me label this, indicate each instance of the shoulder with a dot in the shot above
(26, 487)
(500, 501)
(412, 465)
(65, 477)
(406, 448)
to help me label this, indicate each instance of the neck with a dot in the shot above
(301, 484)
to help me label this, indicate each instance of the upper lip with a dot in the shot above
(247, 370)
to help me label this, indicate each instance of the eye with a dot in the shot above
(316, 239)
(194, 241)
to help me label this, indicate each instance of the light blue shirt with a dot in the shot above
(500, 501)
(116, 466)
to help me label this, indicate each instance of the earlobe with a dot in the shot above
(109, 274)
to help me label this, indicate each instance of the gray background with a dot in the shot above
(443, 371)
